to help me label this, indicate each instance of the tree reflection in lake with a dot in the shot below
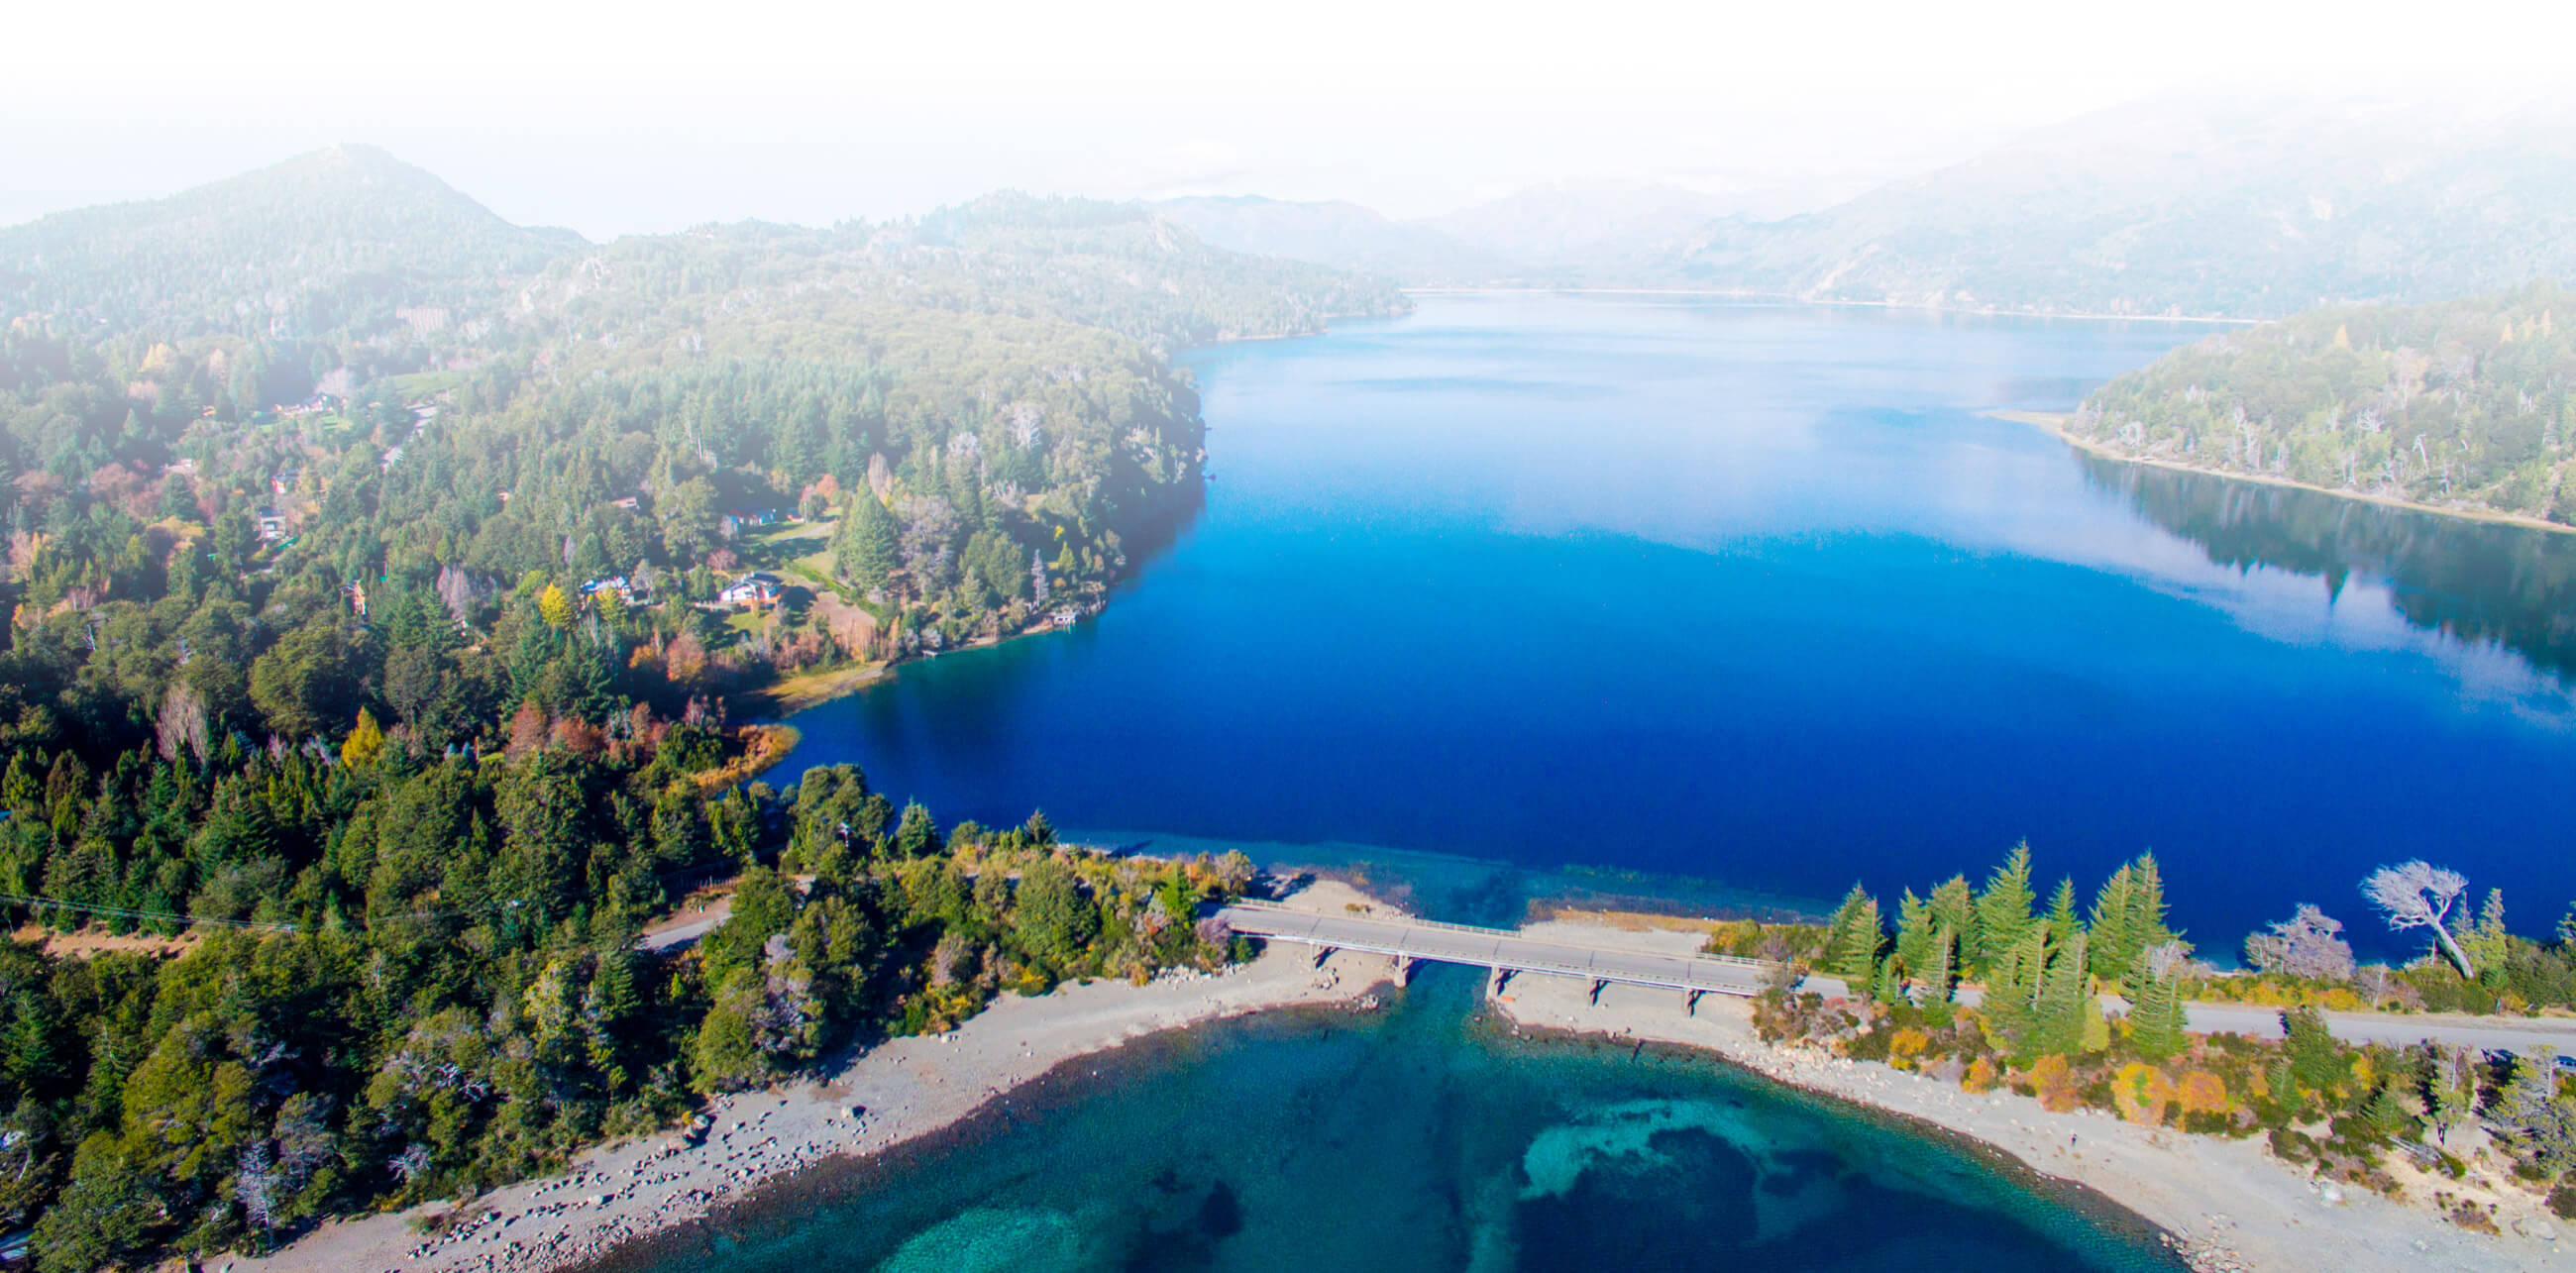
(2474, 581)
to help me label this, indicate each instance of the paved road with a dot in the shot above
(1503, 949)
(2491, 1034)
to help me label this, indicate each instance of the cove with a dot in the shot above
(1760, 595)
(1414, 1139)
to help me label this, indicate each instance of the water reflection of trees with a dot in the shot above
(2476, 581)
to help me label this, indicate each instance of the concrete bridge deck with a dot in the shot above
(1505, 952)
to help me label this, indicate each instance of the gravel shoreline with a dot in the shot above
(2228, 1204)
(895, 1093)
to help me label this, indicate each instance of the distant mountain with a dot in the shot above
(1578, 224)
(1337, 234)
(1146, 276)
(2243, 207)
(336, 240)
(1562, 234)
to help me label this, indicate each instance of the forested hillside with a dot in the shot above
(377, 577)
(347, 241)
(2461, 405)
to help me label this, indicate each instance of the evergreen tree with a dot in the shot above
(1916, 927)
(2146, 926)
(866, 550)
(2115, 946)
(2003, 911)
(1939, 975)
(1954, 905)
(2062, 924)
(1853, 939)
(2013, 982)
(2486, 941)
(2155, 1012)
(2065, 1003)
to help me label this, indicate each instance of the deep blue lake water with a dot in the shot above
(1759, 595)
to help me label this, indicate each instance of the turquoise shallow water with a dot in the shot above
(1412, 1140)
(1760, 595)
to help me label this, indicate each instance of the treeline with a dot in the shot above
(2038, 1023)
(2464, 404)
(444, 991)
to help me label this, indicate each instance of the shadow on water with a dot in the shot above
(1425, 1136)
(2473, 581)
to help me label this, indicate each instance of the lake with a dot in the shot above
(1760, 595)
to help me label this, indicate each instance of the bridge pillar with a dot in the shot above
(1322, 953)
(1690, 1003)
(1597, 984)
(1502, 978)
(1404, 970)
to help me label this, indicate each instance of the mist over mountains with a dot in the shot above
(2238, 206)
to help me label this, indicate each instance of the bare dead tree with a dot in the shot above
(2418, 894)
(2308, 944)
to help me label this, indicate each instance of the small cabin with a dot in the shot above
(619, 586)
(759, 588)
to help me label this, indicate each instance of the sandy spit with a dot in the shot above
(894, 1093)
(2230, 1202)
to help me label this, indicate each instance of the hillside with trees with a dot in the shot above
(347, 240)
(379, 585)
(2462, 405)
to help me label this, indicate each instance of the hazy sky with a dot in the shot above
(652, 116)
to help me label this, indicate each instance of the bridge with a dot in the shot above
(1508, 953)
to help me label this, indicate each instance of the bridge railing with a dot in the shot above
(1512, 934)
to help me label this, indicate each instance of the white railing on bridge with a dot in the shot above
(1508, 934)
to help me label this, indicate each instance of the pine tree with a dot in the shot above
(2146, 925)
(1915, 930)
(2488, 944)
(1954, 904)
(864, 552)
(2062, 924)
(2111, 922)
(2012, 984)
(1938, 973)
(2155, 1015)
(2003, 910)
(1853, 939)
(2065, 997)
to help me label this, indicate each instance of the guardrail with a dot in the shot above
(1688, 962)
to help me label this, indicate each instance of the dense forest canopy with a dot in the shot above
(2462, 405)
(378, 573)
